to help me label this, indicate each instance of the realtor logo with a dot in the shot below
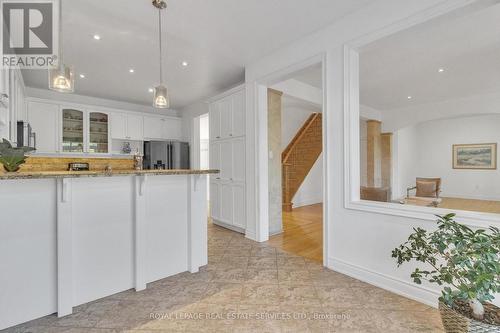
(29, 34)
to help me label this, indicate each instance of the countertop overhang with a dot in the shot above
(87, 174)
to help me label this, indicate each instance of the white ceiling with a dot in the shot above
(465, 44)
(216, 37)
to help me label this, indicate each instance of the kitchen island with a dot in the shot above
(68, 238)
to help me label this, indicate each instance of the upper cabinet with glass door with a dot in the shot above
(72, 131)
(98, 133)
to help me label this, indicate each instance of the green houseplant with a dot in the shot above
(12, 158)
(466, 263)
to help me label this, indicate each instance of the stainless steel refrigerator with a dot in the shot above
(166, 155)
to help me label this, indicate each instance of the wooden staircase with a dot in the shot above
(299, 157)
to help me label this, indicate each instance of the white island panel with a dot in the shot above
(103, 233)
(28, 271)
(166, 226)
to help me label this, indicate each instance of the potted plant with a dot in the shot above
(466, 263)
(12, 158)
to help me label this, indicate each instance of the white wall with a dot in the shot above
(405, 157)
(425, 150)
(293, 117)
(359, 243)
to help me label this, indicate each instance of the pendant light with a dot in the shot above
(61, 79)
(161, 99)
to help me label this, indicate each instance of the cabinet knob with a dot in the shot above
(230, 134)
(217, 137)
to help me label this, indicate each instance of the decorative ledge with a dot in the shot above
(87, 174)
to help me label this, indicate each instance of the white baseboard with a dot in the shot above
(307, 202)
(228, 226)
(251, 235)
(404, 288)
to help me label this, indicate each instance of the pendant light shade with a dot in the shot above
(62, 79)
(161, 99)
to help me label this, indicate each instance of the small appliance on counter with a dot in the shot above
(166, 155)
(25, 135)
(78, 167)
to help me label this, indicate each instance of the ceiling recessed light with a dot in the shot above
(410, 97)
(150, 90)
(441, 70)
(185, 63)
(131, 70)
(97, 37)
(82, 76)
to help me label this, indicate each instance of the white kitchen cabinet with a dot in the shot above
(214, 121)
(153, 128)
(119, 126)
(215, 200)
(226, 160)
(238, 114)
(226, 117)
(239, 204)
(162, 128)
(226, 203)
(43, 118)
(135, 127)
(127, 127)
(227, 154)
(238, 160)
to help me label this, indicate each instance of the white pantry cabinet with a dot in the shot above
(227, 116)
(227, 154)
(127, 127)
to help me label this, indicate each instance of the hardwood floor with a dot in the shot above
(302, 232)
(483, 206)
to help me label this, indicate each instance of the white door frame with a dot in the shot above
(261, 172)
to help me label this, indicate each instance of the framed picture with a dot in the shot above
(475, 156)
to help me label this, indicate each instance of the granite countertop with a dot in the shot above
(83, 174)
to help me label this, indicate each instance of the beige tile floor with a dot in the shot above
(248, 287)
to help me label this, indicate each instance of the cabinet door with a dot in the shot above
(226, 160)
(73, 125)
(215, 157)
(153, 128)
(226, 118)
(43, 119)
(215, 200)
(226, 203)
(119, 126)
(98, 133)
(239, 213)
(135, 128)
(238, 116)
(238, 156)
(172, 129)
(214, 121)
